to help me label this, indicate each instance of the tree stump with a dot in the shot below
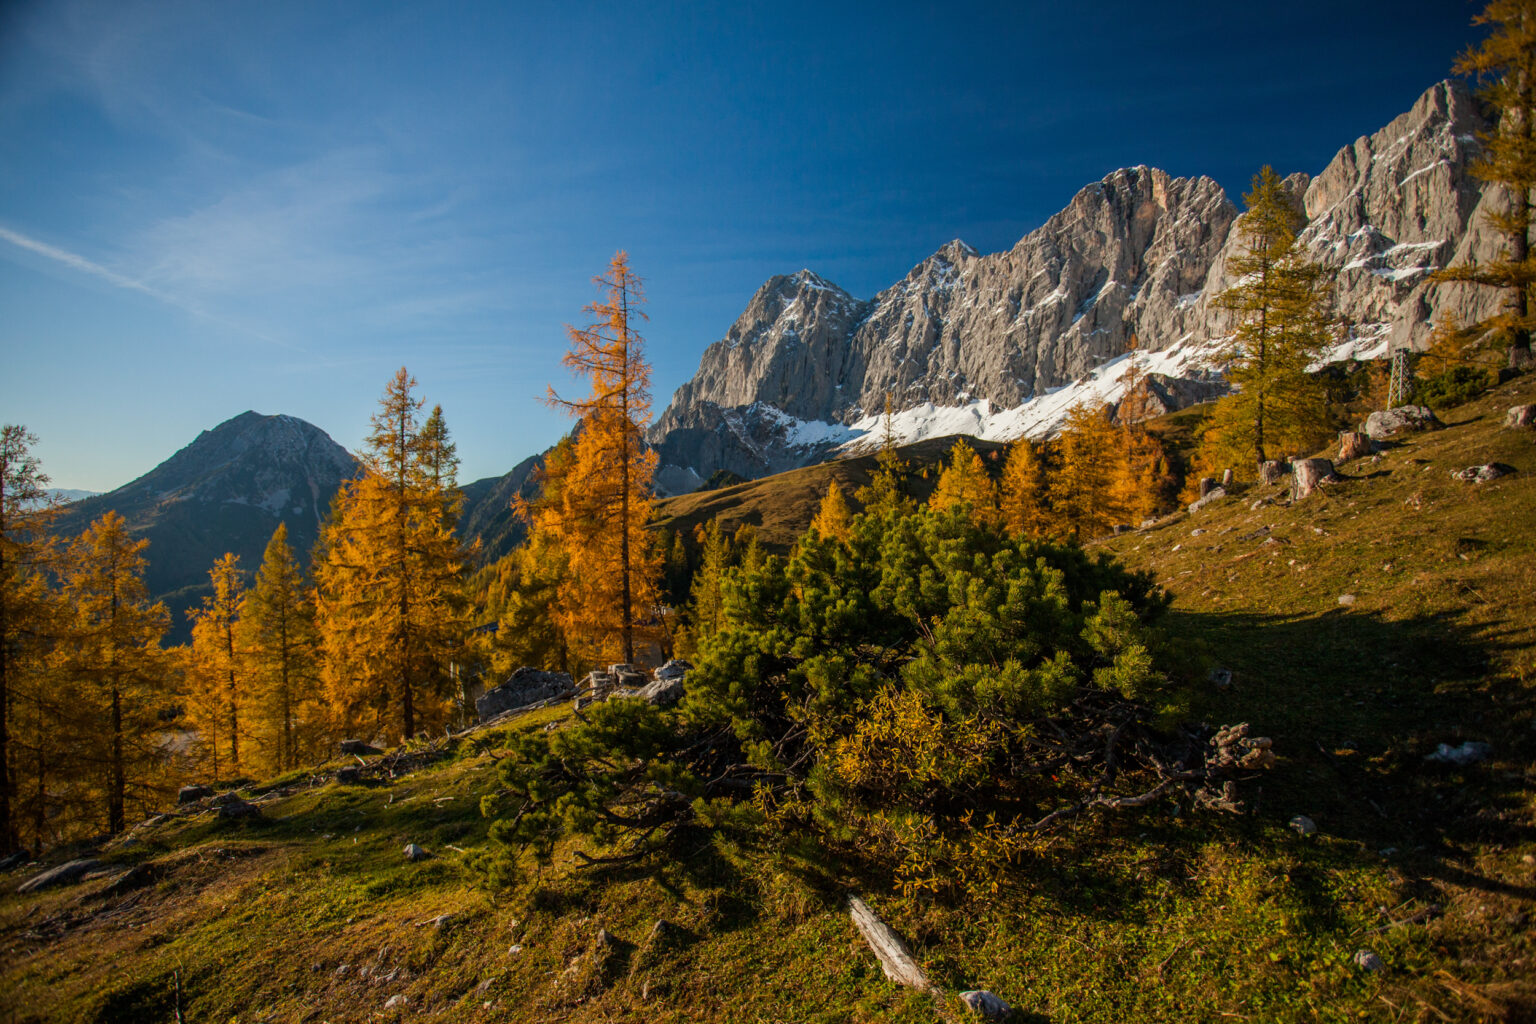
(1273, 471)
(1353, 444)
(1307, 474)
(1226, 479)
(1207, 485)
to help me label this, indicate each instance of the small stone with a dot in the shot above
(395, 1001)
(234, 809)
(986, 1004)
(1221, 678)
(516, 949)
(1368, 961)
(1520, 416)
(1303, 825)
(1346, 599)
(1470, 752)
(414, 853)
(1527, 859)
(1482, 474)
(1196, 533)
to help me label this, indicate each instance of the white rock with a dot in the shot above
(986, 1004)
(1366, 960)
(415, 853)
(1303, 825)
(1470, 752)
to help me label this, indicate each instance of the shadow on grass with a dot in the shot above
(1357, 703)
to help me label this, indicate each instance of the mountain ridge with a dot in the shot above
(806, 367)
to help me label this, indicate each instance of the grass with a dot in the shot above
(312, 914)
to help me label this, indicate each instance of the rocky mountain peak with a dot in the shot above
(1140, 253)
(226, 491)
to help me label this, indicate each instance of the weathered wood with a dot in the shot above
(894, 956)
(1273, 471)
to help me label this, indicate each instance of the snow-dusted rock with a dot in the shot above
(1002, 344)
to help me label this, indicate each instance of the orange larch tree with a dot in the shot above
(598, 512)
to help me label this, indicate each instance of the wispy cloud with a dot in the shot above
(78, 262)
(87, 266)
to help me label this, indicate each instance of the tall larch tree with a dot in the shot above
(600, 513)
(1024, 490)
(25, 550)
(964, 483)
(277, 633)
(112, 659)
(1505, 64)
(833, 518)
(391, 606)
(216, 669)
(1281, 327)
(1082, 489)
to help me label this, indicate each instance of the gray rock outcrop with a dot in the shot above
(1405, 419)
(523, 687)
(65, 874)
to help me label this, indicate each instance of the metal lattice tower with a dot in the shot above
(1397, 388)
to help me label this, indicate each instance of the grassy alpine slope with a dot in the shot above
(1163, 914)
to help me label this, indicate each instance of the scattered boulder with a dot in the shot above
(1470, 752)
(662, 693)
(1207, 498)
(232, 808)
(1308, 474)
(523, 687)
(394, 1001)
(986, 1004)
(14, 860)
(359, 748)
(1346, 600)
(1303, 825)
(1366, 960)
(1221, 678)
(1273, 471)
(1520, 416)
(674, 669)
(415, 853)
(1482, 474)
(65, 874)
(192, 794)
(1403, 419)
(1353, 445)
(349, 776)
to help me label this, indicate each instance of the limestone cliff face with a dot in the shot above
(1138, 253)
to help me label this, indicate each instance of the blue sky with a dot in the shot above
(208, 207)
